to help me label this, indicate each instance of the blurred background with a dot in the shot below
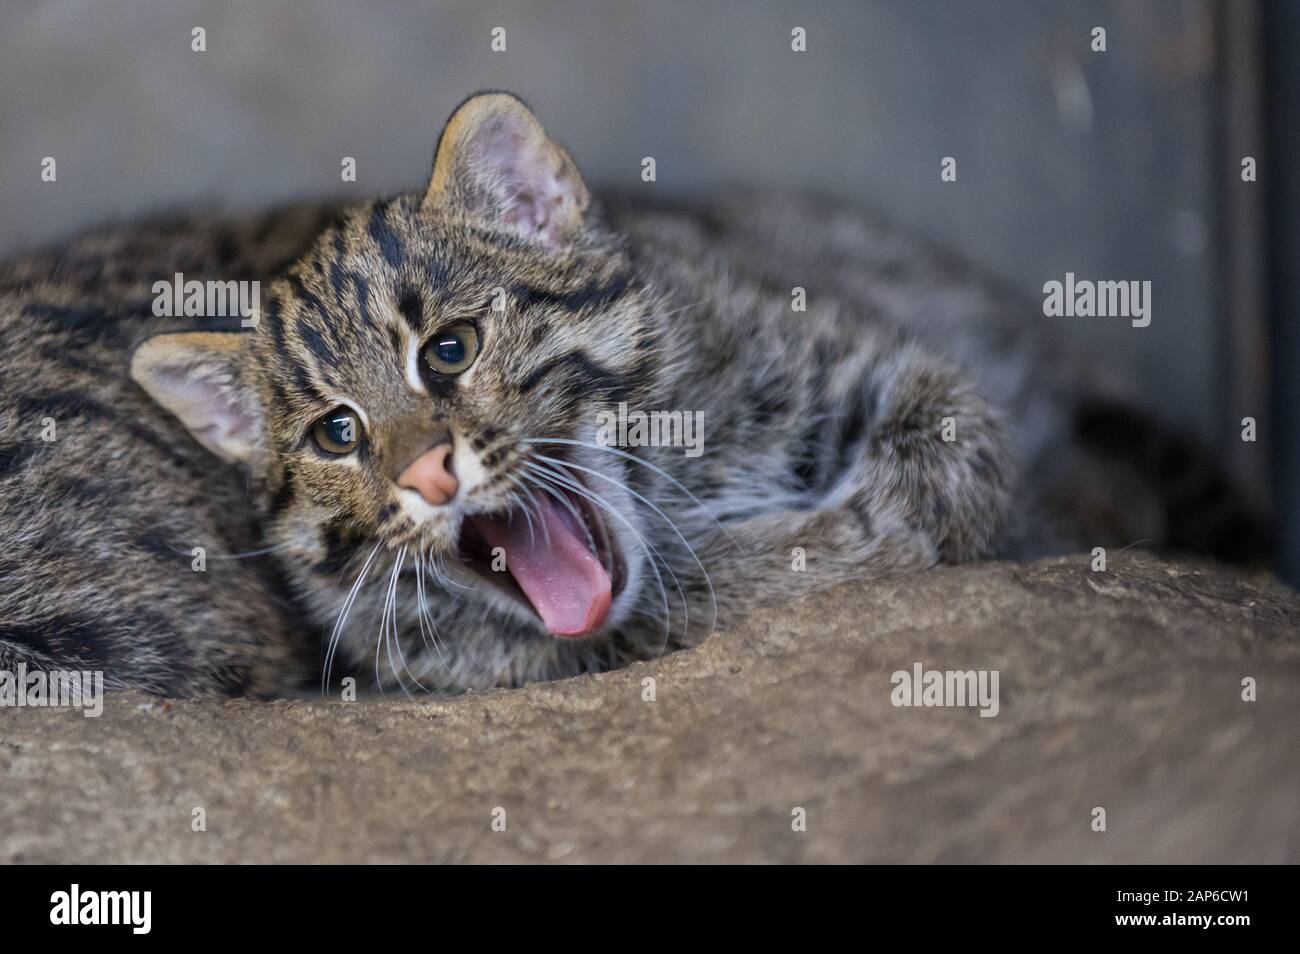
(1123, 164)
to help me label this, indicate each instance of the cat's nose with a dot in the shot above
(430, 475)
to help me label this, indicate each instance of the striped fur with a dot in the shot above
(823, 434)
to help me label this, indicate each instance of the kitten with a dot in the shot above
(423, 413)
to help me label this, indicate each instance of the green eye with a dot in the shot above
(453, 349)
(338, 431)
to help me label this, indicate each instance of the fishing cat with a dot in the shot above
(403, 471)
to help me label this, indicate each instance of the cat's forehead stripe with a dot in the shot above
(411, 308)
(386, 237)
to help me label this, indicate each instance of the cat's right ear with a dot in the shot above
(495, 161)
(197, 377)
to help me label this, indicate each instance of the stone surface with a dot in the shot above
(1119, 689)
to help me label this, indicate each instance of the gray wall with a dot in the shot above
(1067, 160)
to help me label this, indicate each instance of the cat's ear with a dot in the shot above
(494, 160)
(197, 377)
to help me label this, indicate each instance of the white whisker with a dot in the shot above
(644, 463)
(343, 618)
(241, 556)
(686, 543)
(383, 628)
(548, 480)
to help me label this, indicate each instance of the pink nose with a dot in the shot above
(430, 475)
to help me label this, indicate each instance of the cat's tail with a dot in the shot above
(1197, 505)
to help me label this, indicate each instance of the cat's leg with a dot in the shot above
(927, 479)
(779, 556)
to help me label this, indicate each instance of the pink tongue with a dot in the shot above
(553, 566)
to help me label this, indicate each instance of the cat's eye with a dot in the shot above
(338, 431)
(453, 349)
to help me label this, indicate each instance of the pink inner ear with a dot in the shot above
(229, 422)
(208, 409)
(527, 178)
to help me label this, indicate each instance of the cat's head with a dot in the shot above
(426, 376)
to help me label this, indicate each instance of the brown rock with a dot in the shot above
(1119, 689)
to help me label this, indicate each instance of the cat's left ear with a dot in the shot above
(495, 161)
(197, 376)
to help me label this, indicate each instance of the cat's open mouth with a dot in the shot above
(559, 559)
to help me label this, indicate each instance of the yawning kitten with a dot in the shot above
(422, 411)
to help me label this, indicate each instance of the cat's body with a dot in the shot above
(911, 414)
(99, 514)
